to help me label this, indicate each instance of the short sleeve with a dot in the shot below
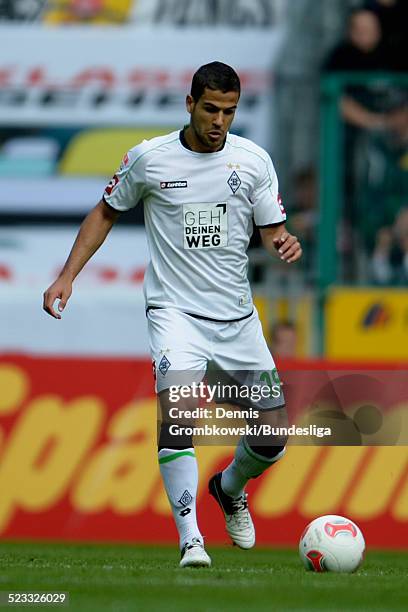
(127, 186)
(266, 200)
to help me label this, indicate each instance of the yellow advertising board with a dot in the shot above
(369, 324)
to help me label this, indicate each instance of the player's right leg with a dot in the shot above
(179, 471)
(179, 354)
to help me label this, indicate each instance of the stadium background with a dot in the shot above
(81, 82)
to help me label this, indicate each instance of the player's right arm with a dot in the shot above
(93, 231)
(124, 191)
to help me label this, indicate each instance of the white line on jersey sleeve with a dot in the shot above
(268, 209)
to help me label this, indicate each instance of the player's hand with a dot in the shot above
(61, 290)
(288, 247)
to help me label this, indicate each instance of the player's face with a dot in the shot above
(211, 117)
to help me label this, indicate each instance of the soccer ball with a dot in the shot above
(332, 543)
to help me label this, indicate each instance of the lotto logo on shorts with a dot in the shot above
(205, 226)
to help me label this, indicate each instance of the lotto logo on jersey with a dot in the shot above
(173, 184)
(205, 226)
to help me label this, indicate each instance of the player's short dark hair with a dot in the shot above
(215, 76)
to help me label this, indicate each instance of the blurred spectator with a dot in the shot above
(89, 11)
(283, 339)
(390, 257)
(376, 116)
(362, 48)
(393, 17)
(303, 216)
(365, 50)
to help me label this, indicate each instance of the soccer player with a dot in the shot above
(203, 188)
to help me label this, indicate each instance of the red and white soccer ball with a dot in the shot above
(332, 544)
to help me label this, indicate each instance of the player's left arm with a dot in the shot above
(278, 241)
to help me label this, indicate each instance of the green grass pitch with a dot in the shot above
(147, 578)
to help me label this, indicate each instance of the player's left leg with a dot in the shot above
(257, 452)
(252, 457)
(244, 354)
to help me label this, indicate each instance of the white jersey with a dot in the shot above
(199, 214)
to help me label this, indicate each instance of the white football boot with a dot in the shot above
(238, 521)
(193, 555)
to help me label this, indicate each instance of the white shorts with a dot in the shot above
(183, 348)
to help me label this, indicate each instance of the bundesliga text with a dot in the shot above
(249, 430)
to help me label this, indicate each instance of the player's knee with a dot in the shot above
(175, 422)
(271, 428)
(271, 453)
(175, 405)
(168, 440)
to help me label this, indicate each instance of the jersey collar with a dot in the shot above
(187, 146)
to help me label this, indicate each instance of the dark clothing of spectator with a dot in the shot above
(346, 57)
(394, 24)
(377, 98)
(373, 113)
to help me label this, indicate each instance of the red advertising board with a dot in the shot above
(78, 462)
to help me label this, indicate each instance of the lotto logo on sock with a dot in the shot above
(186, 498)
(185, 512)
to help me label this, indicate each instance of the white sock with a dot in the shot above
(233, 481)
(180, 477)
(245, 465)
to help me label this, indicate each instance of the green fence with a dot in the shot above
(333, 199)
(332, 158)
